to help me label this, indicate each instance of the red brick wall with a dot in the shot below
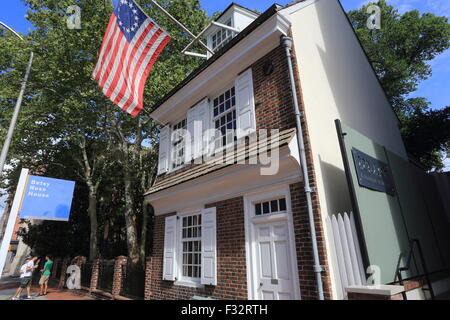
(274, 107)
(231, 263)
(303, 244)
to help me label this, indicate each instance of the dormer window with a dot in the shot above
(220, 31)
(222, 37)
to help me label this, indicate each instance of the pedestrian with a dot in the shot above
(46, 272)
(26, 273)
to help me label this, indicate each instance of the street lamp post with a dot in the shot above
(12, 126)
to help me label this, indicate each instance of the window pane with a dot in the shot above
(283, 204)
(274, 206)
(258, 209)
(266, 208)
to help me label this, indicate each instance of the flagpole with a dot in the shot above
(12, 126)
(180, 24)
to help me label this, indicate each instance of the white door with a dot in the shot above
(275, 278)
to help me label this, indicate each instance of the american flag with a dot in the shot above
(131, 45)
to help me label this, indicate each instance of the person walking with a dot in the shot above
(46, 272)
(26, 273)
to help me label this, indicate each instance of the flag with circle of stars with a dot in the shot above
(131, 45)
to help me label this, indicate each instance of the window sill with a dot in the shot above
(190, 284)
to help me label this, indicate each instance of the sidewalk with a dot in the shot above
(8, 287)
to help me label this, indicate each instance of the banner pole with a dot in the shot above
(18, 197)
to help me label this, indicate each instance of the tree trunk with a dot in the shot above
(130, 220)
(92, 210)
(144, 231)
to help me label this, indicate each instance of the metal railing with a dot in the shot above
(133, 280)
(398, 274)
(86, 274)
(106, 275)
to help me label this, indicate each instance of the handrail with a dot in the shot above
(399, 270)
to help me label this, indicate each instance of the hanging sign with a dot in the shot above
(47, 199)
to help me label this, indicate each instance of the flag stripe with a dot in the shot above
(109, 29)
(125, 80)
(136, 61)
(137, 52)
(143, 74)
(115, 86)
(155, 56)
(119, 45)
(138, 66)
(106, 64)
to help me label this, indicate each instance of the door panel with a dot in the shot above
(274, 269)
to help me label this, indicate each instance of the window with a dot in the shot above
(222, 37)
(178, 144)
(191, 246)
(225, 118)
(270, 207)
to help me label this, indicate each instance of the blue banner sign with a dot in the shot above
(47, 199)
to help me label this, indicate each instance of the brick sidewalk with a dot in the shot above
(52, 294)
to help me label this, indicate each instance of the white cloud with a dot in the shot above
(447, 165)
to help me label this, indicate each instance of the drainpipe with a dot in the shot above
(318, 269)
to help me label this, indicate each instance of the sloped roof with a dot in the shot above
(285, 137)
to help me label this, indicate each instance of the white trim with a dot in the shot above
(184, 281)
(296, 7)
(261, 195)
(189, 284)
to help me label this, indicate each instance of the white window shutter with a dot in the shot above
(204, 115)
(164, 150)
(245, 104)
(191, 118)
(170, 237)
(199, 114)
(209, 250)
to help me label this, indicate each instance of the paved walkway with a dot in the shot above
(9, 286)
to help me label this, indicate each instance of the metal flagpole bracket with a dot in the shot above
(180, 24)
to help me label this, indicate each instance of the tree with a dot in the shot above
(399, 53)
(65, 109)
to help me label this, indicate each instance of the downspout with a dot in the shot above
(318, 269)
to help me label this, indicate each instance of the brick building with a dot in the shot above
(235, 230)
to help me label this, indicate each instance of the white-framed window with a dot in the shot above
(224, 118)
(178, 145)
(270, 207)
(191, 248)
(222, 37)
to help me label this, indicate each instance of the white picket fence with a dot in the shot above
(346, 254)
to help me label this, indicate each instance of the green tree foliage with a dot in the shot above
(65, 113)
(400, 53)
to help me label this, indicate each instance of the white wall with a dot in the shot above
(337, 83)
